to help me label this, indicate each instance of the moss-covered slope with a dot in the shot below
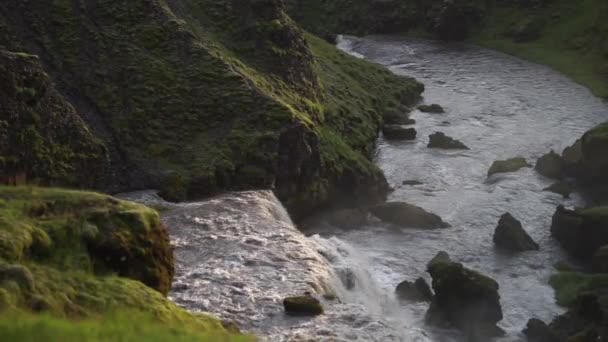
(202, 96)
(84, 255)
(42, 138)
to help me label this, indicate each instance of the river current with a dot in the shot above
(238, 255)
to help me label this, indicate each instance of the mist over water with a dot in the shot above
(238, 255)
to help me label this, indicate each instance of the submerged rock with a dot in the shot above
(509, 234)
(302, 306)
(582, 232)
(508, 165)
(440, 140)
(407, 215)
(348, 218)
(550, 165)
(418, 290)
(412, 182)
(464, 298)
(433, 108)
(397, 132)
(563, 188)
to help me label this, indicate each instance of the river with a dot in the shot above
(239, 254)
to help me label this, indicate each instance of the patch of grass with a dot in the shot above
(569, 285)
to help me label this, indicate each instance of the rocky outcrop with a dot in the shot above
(433, 108)
(407, 215)
(508, 165)
(417, 291)
(464, 299)
(510, 235)
(200, 101)
(550, 165)
(440, 140)
(563, 188)
(303, 306)
(397, 132)
(582, 232)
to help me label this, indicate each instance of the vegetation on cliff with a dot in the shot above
(76, 255)
(199, 97)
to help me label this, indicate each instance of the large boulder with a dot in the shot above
(407, 215)
(510, 235)
(418, 291)
(550, 165)
(507, 165)
(464, 299)
(302, 306)
(440, 140)
(582, 232)
(538, 331)
(397, 132)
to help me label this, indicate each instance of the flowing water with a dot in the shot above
(239, 254)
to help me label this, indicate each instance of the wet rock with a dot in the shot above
(348, 218)
(563, 188)
(465, 299)
(508, 165)
(407, 215)
(581, 232)
(348, 278)
(600, 260)
(302, 306)
(441, 256)
(397, 118)
(412, 182)
(433, 108)
(397, 132)
(418, 291)
(538, 331)
(550, 165)
(510, 235)
(440, 140)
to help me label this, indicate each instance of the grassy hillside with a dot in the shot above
(203, 96)
(75, 255)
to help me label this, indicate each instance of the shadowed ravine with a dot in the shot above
(238, 255)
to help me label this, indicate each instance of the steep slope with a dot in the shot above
(202, 96)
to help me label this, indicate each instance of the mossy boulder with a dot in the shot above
(302, 306)
(550, 165)
(407, 215)
(398, 132)
(418, 290)
(538, 331)
(81, 255)
(348, 218)
(440, 140)
(563, 188)
(464, 299)
(600, 260)
(432, 108)
(582, 232)
(510, 235)
(508, 165)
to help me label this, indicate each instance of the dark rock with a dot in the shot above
(303, 306)
(412, 182)
(509, 234)
(563, 188)
(348, 278)
(464, 299)
(407, 215)
(581, 232)
(538, 331)
(508, 165)
(434, 108)
(398, 118)
(441, 256)
(418, 291)
(396, 132)
(440, 140)
(550, 165)
(600, 260)
(348, 218)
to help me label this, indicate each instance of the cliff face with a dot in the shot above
(202, 96)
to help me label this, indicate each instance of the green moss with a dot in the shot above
(75, 255)
(569, 285)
